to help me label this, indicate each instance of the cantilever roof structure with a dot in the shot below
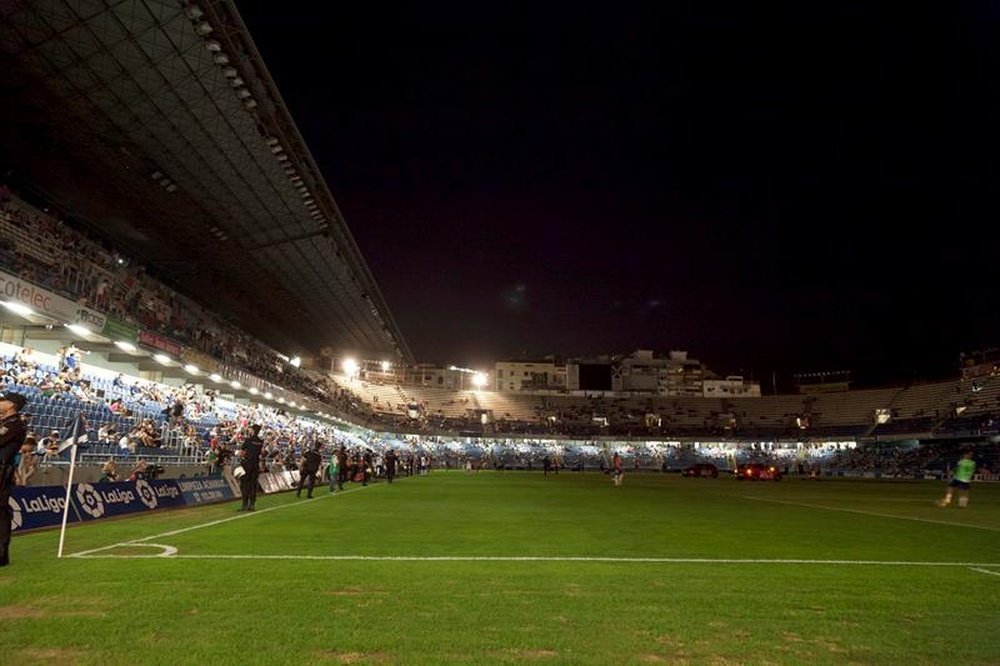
(156, 123)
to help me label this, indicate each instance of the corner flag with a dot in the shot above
(77, 433)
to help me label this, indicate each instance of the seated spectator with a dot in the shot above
(140, 471)
(109, 472)
(50, 446)
(28, 463)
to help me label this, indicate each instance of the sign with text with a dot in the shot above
(157, 341)
(45, 302)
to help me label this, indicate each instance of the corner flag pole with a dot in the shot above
(69, 484)
(77, 434)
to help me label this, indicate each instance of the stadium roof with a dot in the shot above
(156, 123)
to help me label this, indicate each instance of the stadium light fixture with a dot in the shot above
(78, 329)
(281, 400)
(162, 359)
(18, 308)
(385, 366)
(479, 380)
(253, 390)
(249, 104)
(296, 362)
(350, 367)
(268, 395)
(193, 12)
(215, 377)
(214, 46)
(235, 384)
(230, 72)
(125, 346)
(191, 369)
(220, 59)
(203, 28)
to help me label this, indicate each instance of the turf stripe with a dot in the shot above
(874, 513)
(531, 558)
(241, 516)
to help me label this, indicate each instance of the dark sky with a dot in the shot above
(804, 189)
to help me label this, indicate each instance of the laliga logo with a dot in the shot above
(90, 501)
(15, 514)
(146, 494)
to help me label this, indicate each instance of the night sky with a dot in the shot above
(796, 190)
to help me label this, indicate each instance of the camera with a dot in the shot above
(153, 471)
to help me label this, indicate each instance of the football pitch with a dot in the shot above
(503, 567)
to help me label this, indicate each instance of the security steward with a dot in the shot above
(250, 462)
(308, 469)
(12, 434)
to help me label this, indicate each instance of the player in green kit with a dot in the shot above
(962, 480)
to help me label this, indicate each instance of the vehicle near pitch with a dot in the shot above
(758, 472)
(701, 470)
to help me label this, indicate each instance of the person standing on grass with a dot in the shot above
(617, 472)
(333, 472)
(12, 435)
(341, 467)
(964, 471)
(390, 465)
(250, 462)
(307, 471)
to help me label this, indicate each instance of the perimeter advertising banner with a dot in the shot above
(205, 491)
(116, 499)
(31, 508)
(36, 507)
(120, 330)
(43, 301)
(157, 341)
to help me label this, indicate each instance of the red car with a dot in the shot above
(758, 472)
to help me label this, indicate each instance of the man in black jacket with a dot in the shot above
(12, 434)
(250, 462)
(308, 469)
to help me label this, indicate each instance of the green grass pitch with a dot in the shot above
(516, 568)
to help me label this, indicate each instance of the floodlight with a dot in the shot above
(235, 384)
(215, 377)
(162, 358)
(479, 380)
(125, 346)
(191, 369)
(385, 366)
(17, 308)
(79, 329)
(295, 362)
(350, 367)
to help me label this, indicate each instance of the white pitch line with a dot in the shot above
(986, 571)
(874, 513)
(611, 560)
(241, 516)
